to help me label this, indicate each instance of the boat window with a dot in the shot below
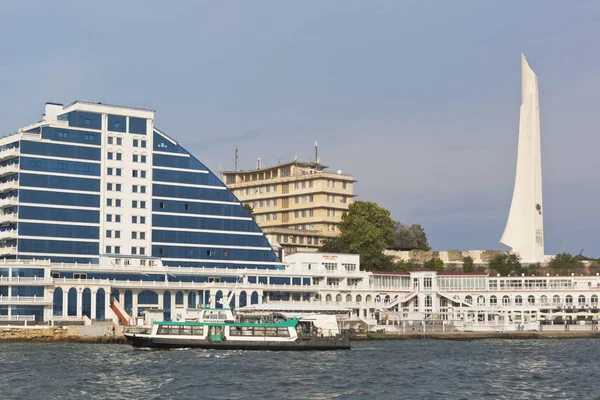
(180, 330)
(283, 332)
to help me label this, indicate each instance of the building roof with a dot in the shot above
(309, 164)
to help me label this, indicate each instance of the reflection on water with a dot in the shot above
(413, 369)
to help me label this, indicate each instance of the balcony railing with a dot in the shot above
(16, 280)
(17, 317)
(9, 169)
(8, 153)
(8, 234)
(24, 299)
(9, 201)
(7, 251)
(8, 218)
(10, 185)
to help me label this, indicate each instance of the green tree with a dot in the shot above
(410, 238)
(366, 229)
(434, 264)
(468, 265)
(249, 208)
(505, 264)
(565, 261)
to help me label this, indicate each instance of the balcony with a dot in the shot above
(25, 281)
(8, 218)
(8, 234)
(8, 251)
(9, 153)
(8, 186)
(9, 169)
(25, 300)
(9, 201)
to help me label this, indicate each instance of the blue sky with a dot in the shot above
(418, 99)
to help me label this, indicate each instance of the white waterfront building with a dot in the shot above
(329, 283)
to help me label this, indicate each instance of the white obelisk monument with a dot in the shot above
(524, 232)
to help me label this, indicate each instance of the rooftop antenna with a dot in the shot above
(236, 158)
(317, 152)
(258, 163)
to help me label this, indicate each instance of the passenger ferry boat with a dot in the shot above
(219, 328)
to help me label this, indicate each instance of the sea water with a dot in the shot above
(410, 369)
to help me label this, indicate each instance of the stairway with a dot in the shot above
(119, 311)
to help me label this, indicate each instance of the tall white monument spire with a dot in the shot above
(524, 232)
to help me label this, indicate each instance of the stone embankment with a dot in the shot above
(468, 336)
(71, 334)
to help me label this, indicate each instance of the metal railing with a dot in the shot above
(24, 299)
(17, 317)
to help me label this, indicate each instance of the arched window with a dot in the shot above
(377, 299)
(505, 301)
(544, 300)
(594, 301)
(493, 301)
(359, 298)
(481, 301)
(569, 300)
(387, 298)
(530, 300)
(468, 299)
(338, 298)
(556, 300)
(428, 302)
(348, 298)
(518, 301)
(369, 298)
(328, 297)
(581, 300)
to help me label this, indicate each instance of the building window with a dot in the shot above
(143, 159)
(161, 205)
(118, 187)
(117, 218)
(119, 156)
(109, 234)
(110, 140)
(143, 189)
(134, 204)
(142, 250)
(135, 142)
(109, 186)
(109, 217)
(143, 143)
(109, 202)
(135, 158)
(134, 173)
(117, 249)
(63, 134)
(116, 125)
(143, 173)
(134, 219)
(109, 155)
(134, 235)
(186, 206)
(109, 171)
(142, 204)
(142, 220)
(119, 142)
(118, 233)
(118, 171)
(108, 248)
(118, 203)
(161, 250)
(133, 250)
(87, 121)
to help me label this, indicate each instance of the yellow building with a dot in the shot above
(296, 204)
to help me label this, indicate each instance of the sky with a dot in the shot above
(419, 100)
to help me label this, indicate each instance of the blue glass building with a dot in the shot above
(104, 195)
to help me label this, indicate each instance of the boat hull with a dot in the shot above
(304, 344)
